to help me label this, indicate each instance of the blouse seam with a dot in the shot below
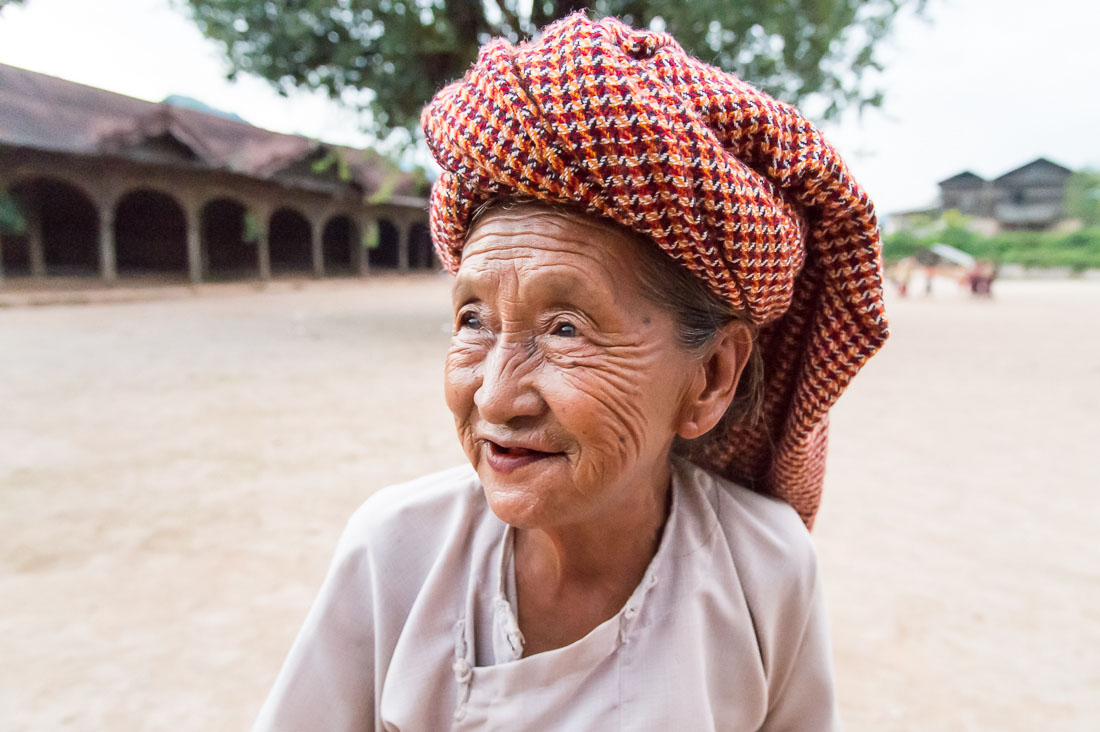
(797, 651)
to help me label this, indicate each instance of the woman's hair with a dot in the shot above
(699, 314)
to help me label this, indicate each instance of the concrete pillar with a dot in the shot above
(205, 250)
(404, 230)
(416, 253)
(194, 244)
(108, 269)
(359, 261)
(36, 248)
(263, 245)
(3, 189)
(316, 243)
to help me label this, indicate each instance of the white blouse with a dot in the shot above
(414, 628)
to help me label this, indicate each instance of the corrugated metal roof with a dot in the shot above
(47, 113)
(963, 179)
(1039, 168)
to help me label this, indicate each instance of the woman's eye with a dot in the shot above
(469, 320)
(564, 330)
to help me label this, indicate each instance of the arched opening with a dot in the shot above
(64, 219)
(289, 241)
(339, 241)
(384, 256)
(421, 253)
(226, 252)
(15, 257)
(150, 234)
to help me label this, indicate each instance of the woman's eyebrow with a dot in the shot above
(464, 291)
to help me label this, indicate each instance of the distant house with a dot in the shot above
(1031, 197)
(114, 187)
(965, 193)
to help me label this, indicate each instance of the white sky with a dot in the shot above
(983, 85)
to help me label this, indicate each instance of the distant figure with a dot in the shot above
(929, 275)
(981, 278)
(902, 273)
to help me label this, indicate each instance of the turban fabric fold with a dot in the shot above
(738, 188)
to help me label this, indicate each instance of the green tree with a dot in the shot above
(810, 52)
(1083, 197)
(5, 3)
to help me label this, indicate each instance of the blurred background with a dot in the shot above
(222, 328)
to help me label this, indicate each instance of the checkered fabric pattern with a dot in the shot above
(740, 189)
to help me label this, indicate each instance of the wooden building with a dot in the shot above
(965, 193)
(1030, 197)
(110, 187)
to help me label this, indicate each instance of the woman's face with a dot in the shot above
(566, 383)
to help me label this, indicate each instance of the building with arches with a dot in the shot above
(101, 185)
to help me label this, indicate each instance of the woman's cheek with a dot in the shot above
(461, 374)
(603, 413)
(618, 382)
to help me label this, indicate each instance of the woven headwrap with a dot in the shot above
(738, 188)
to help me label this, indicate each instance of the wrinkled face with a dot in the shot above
(566, 383)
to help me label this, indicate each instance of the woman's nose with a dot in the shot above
(506, 391)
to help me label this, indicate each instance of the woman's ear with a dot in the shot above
(714, 388)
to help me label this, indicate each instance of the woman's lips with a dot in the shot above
(507, 459)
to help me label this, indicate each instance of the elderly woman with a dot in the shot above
(664, 279)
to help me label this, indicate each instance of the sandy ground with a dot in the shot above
(174, 474)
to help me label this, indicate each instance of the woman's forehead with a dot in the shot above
(533, 233)
(540, 249)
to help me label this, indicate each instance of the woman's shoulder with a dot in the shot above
(437, 493)
(417, 518)
(767, 539)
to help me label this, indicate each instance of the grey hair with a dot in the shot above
(700, 315)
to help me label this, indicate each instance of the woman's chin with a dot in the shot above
(515, 509)
(525, 504)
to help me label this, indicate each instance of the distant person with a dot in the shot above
(981, 278)
(903, 273)
(663, 280)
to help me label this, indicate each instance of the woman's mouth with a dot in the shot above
(504, 459)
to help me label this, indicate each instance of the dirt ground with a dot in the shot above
(174, 474)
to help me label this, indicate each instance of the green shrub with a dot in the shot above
(900, 245)
(1079, 250)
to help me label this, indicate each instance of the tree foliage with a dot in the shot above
(1083, 197)
(809, 52)
(5, 3)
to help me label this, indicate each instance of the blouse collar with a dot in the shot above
(507, 638)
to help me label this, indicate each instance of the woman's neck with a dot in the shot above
(571, 578)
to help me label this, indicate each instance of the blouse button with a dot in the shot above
(462, 670)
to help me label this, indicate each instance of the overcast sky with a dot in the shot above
(981, 85)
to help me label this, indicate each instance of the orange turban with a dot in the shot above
(740, 189)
